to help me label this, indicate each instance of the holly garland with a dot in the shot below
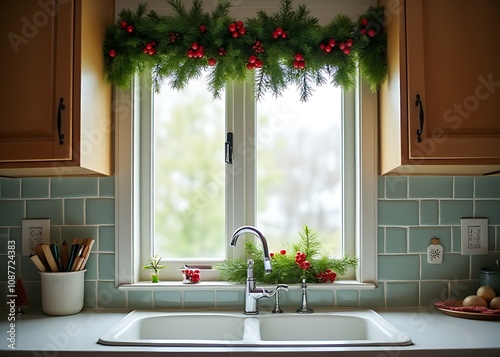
(288, 47)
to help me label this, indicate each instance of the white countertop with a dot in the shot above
(432, 333)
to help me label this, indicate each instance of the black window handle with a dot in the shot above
(419, 131)
(59, 120)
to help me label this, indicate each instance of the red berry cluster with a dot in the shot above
(257, 47)
(300, 259)
(282, 252)
(344, 46)
(364, 28)
(173, 36)
(222, 51)
(279, 33)
(237, 29)
(150, 49)
(191, 276)
(196, 51)
(127, 27)
(299, 62)
(254, 62)
(327, 276)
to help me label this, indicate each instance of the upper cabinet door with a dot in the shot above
(453, 79)
(36, 42)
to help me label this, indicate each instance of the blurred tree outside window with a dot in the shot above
(298, 156)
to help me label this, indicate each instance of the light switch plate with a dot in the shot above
(474, 235)
(35, 231)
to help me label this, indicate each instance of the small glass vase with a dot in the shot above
(155, 277)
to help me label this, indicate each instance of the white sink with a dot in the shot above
(156, 328)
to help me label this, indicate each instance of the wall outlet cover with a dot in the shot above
(35, 231)
(474, 234)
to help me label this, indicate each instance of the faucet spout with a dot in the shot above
(257, 233)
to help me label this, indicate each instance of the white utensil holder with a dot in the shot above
(62, 292)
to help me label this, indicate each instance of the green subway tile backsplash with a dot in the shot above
(398, 213)
(451, 211)
(464, 187)
(35, 188)
(488, 187)
(411, 210)
(431, 187)
(74, 187)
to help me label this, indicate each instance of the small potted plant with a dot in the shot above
(155, 266)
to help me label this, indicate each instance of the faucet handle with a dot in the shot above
(277, 308)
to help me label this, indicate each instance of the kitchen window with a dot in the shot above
(175, 163)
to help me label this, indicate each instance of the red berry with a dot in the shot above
(371, 33)
(252, 59)
(271, 255)
(347, 50)
(203, 29)
(194, 46)
(149, 46)
(151, 52)
(349, 42)
(130, 28)
(232, 27)
(364, 21)
(275, 35)
(250, 65)
(123, 24)
(258, 63)
(112, 53)
(278, 31)
(298, 57)
(362, 32)
(328, 48)
(302, 64)
(342, 45)
(331, 42)
(283, 251)
(236, 34)
(242, 31)
(284, 35)
(239, 24)
(190, 53)
(322, 46)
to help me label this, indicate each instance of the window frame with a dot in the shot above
(129, 199)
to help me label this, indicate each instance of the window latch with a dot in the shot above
(229, 148)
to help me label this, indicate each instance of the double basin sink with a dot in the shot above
(350, 328)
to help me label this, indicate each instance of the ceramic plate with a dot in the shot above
(448, 307)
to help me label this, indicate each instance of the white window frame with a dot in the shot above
(129, 200)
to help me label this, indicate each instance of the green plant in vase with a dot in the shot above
(155, 267)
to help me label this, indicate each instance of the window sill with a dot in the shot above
(221, 285)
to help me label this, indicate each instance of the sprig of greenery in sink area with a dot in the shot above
(304, 260)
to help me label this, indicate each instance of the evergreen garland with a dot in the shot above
(288, 266)
(288, 47)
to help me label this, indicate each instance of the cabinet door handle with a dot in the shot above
(419, 131)
(59, 120)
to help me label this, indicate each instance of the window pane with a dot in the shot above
(299, 167)
(189, 173)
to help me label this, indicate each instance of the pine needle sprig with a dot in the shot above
(285, 268)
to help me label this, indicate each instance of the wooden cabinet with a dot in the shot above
(56, 109)
(439, 109)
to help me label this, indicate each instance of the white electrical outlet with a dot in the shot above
(35, 231)
(474, 234)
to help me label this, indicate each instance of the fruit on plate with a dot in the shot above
(495, 303)
(474, 300)
(486, 292)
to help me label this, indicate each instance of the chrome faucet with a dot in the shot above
(252, 293)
